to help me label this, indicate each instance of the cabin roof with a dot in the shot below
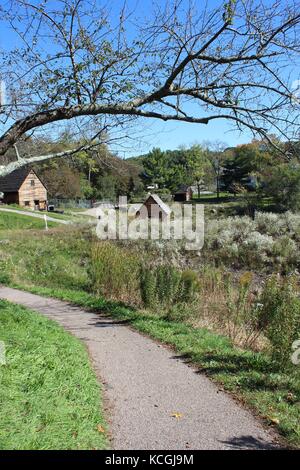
(11, 183)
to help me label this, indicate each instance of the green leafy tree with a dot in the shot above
(282, 184)
(155, 167)
(106, 187)
(171, 168)
(215, 155)
(244, 161)
(198, 166)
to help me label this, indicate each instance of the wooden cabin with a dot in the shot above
(183, 193)
(24, 187)
(154, 207)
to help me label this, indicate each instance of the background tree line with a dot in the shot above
(254, 169)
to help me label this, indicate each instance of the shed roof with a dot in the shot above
(12, 182)
(164, 207)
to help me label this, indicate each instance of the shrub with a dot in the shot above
(229, 230)
(269, 223)
(148, 287)
(241, 227)
(182, 311)
(283, 185)
(271, 240)
(255, 249)
(4, 278)
(165, 286)
(211, 279)
(189, 285)
(279, 316)
(239, 306)
(114, 272)
(292, 222)
(286, 253)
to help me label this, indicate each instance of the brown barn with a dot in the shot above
(155, 208)
(183, 193)
(24, 187)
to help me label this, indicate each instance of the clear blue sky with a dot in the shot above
(153, 133)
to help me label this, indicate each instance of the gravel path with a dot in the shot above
(145, 383)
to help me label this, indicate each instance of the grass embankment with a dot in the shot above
(47, 258)
(49, 395)
(56, 264)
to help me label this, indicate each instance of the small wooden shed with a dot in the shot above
(24, 187)
(154, 207)
(183, 193)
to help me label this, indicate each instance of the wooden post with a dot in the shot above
(46, 223)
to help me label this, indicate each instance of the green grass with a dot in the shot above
(213, 198)
(229, 204)
(252, 377)
(54, 215)
(11, 221)
(26, 210)
(54, 258)
(49, 395)
(68, 215)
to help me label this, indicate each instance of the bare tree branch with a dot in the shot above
(236, 62)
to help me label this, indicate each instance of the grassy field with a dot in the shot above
(69, 214)
(213, 198)
(230, 205)
(49, 395)
(11, 221)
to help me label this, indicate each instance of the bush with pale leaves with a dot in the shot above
(271, 241)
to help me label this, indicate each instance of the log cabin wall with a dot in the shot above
(32, 190)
